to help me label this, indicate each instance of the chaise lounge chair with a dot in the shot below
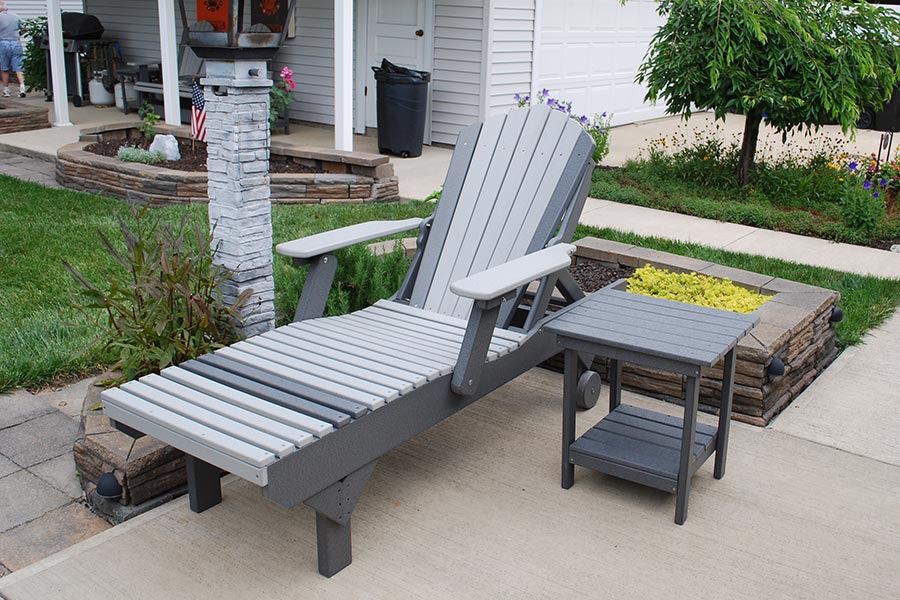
(306, 410)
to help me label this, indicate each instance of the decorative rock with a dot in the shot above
(167, 145)
(895, 248)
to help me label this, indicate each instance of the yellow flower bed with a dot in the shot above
(694, 288)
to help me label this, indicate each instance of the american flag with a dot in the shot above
(198, 112)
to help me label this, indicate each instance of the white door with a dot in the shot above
(590, 52)
(398, 31)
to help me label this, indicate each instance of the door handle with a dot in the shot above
(420, 32)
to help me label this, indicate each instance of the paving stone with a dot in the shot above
(7, 466)
(25, 497)
(4, 570)
(69, 398)
(39, 439)
(48, 534)
(60, 473)
(20, 406)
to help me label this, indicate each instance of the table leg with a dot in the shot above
(570, 391)
(615, 384)
(724, 415)
(691, 398)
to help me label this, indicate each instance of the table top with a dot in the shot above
(684, 333)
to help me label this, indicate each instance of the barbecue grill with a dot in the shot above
(82, 43)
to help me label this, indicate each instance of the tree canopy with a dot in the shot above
(796, 63)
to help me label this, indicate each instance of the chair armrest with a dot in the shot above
(496, 281)
(323, 243)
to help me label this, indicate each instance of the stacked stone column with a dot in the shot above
(240, 213)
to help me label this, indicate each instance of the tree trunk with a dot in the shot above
(748, 146)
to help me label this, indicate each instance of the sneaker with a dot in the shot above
(22, 91)
(21, 94)
(6, 92)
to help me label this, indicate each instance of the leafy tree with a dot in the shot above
(794, 63)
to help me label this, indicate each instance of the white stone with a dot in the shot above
(895, 248)
(167, 144)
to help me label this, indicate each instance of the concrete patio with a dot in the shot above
(473, 507)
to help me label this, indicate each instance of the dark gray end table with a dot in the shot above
(634, 443)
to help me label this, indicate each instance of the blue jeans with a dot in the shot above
(10, 55)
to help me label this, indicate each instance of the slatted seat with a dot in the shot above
(251, 431)
(305, 410)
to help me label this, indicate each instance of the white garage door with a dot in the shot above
(590, 53)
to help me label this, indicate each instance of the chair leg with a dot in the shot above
(333, 544)
(204, 484)
(334, 505)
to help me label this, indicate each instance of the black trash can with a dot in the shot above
(402, 103)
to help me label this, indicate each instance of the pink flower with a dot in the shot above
(286, 73)
(292, 84)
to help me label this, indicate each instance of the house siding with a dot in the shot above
(29, 9)
(511, 52)
(135, 25)
(457, 72)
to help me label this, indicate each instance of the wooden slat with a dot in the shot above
(444, 351)
(602, 311)
(417, 330)
(457, 173)
(490, 203)
(669, 308)
(372, 398)
(312, 425)
(324, 357)
(268, 393)
(207, 418)
(323, 397)
(465, 205)
(236, 449)
(504, 334)
(415, 354)
(295, 436)
(365, 348)
(340, 371)
(419, 322)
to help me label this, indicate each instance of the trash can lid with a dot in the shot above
(392, 73)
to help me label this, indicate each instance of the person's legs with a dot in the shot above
(6, 50)
(17, 60)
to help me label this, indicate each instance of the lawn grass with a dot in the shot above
(866, 301)
(43, 337)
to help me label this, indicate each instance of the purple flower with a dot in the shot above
(545, 92)
(527, 97)
(551, 102)
(604, 114)
(867, 185)
(882, 182)
(853, 166)
(876, 195)
(583, 119)
(517, 97)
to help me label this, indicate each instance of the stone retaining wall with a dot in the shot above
(794, 327)
(346, 177)
(18, 116)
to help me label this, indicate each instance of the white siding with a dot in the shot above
(457, 73)
(135, 25)
(511, 52)
(29, 9)
(590, 53)
(311, 56)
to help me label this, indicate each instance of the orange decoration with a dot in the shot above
(214, 12)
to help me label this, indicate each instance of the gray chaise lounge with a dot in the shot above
(304, 411)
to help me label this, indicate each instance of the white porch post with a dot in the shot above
(58, 66)
(343, 74)
(168, 50)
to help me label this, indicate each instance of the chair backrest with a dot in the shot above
(514, 182)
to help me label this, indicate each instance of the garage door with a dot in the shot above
(590, 53)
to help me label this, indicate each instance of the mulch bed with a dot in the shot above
(193, 159)
(592, 276)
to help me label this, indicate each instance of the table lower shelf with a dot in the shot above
(640, 445)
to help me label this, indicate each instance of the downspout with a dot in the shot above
(536, 48)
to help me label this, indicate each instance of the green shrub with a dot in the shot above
(34, 58)
(862, 210)
(139, 155)
(362, 279)
(164, 306)
(149, 119)
(694, 288)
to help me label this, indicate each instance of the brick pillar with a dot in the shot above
(240, 211)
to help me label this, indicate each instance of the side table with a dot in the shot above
(634, 443)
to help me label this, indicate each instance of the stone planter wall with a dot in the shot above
(345, 177)
(794, 327)
(18, 116)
